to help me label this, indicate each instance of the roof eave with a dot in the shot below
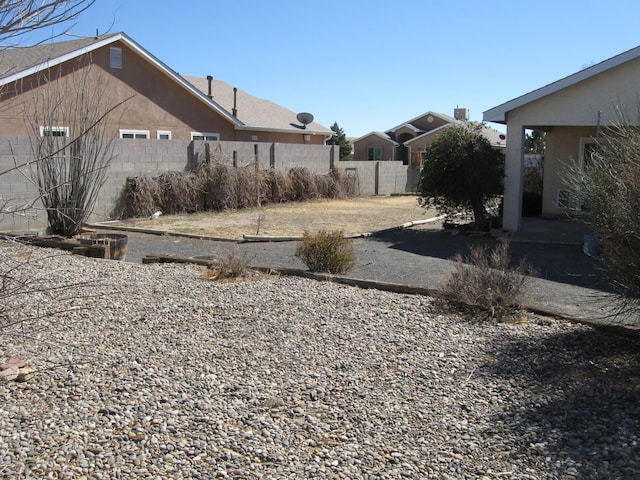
(380, 135)
(245, 127)
(499, 114)
(60, 59)
(441, 116)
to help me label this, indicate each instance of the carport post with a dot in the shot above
(513, 179)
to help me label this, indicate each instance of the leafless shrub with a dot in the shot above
(234, 265)
(249, 187)
(70, 173)
(345, 186)
(607, 186)
(483, 284)
(325, 186)
(218, 186)
(137, 198)
(303, 184)
(277, 187)
(177, 192)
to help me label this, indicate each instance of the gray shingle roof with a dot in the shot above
(253, 111)
(14, 60)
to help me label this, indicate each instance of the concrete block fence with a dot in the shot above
(147, 157)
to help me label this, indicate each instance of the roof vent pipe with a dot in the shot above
(209, 79)
(234, 112)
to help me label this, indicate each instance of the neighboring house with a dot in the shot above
(166, 105)
(407, 142)
(570, 111)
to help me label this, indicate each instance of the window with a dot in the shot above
(164, 135)
(566, 199)
(115, 57)
(374, 153)
(588, 146)
(212, 137)
(54, 131)
(134, 134)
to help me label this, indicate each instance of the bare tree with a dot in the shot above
(19, 17)
(70, 173)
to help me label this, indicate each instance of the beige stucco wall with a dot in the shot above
(361, 147)
(563, 150)
(562, 114)
(158, 103)
(579, 104)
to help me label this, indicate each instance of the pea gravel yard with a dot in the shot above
(149, 371)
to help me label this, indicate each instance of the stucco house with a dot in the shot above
(407, 142)
(571, 111)
(165, 105)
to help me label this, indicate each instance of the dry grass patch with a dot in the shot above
(354, 215)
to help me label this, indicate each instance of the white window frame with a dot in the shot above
(206, 136)
(135, 134)
(566, 199)
(160, 133)
(44, 129)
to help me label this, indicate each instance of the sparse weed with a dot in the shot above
(485, 283)
(234, 265)
(260, 220)
(327, 252)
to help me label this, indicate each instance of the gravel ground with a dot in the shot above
(148, 371)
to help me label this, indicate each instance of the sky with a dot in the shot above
(371, 65)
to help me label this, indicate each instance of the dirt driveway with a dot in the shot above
(355, 215)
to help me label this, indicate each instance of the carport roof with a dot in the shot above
(499, 114)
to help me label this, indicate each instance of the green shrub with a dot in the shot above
(327, 252)
(484, 283)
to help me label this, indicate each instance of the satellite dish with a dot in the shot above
(304, 118)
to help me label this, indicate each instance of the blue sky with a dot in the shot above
(370, 65)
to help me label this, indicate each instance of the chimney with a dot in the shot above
(234, 112)
(209, 79)
(461, 114)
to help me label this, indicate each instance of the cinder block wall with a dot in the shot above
(153, 157)
(380, 178)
